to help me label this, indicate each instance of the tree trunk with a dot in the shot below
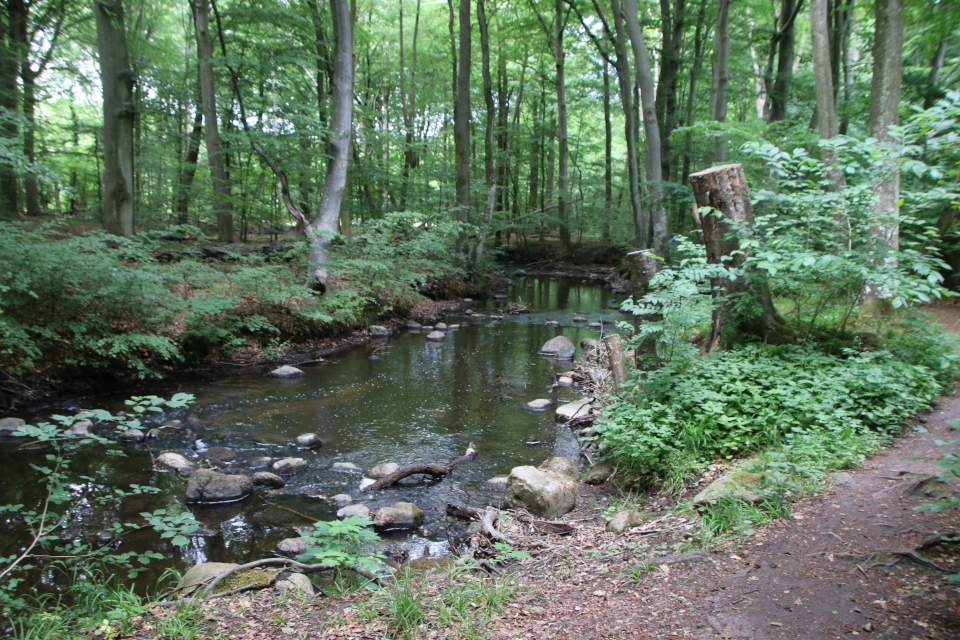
(117, 80)
(9, 191)
(533, 195)
(181, 204)
(408, 105)
(725, 190)
(607, 157)
(885, 111)
(208, 95)
(643, 267)
(324, 226)
(692, 95)
(827, 121)
(784, 41)
(672, 27)
(723, 71)
(489, 172)
(651, 129)
(461, 118)
(563, 154)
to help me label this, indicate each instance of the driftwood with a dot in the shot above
(615, 349)
(435, 470)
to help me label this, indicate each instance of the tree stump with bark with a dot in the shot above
(644, 265)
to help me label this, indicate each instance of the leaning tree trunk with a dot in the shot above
(117, 80)
(324, 226)
(724, 189)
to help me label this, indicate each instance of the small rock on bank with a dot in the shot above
(296, 581)
(400, 515)
(9, 426)
(738, 484)
(624, 520)
(598, 474)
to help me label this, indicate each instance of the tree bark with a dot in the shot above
(885, 111)
(117, 80)
(643, 267)
(607, 157)
(324, 226)
(692, 94)
(723, 72)
(651, 129)
(435, 470)
(782, 44)
(563, 153)
(208, 94)
(181, 204)
(408, 105)
(672, 19)
(461, 118)
(827, 121)
(9, 191)
(490, 173)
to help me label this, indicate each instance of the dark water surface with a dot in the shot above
(415, 402)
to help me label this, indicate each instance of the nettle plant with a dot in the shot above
(342, 544)
(45, 524)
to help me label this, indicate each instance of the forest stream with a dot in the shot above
(398, 399)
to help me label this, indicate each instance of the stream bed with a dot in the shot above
(398, 399)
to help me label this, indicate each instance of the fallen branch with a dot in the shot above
(435, 470)
(490, 516)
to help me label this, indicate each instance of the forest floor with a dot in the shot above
(838, 566)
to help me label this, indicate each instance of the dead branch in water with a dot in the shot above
(435, 470)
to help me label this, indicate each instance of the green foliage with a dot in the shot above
(917, 339)
(342, 543)
(731, 403)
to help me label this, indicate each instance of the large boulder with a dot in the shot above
(177, 462)
(571, 410)
(9, 426)
(561, 465)
(286, 371)
(289, 465)
(383, 470)
(559, 347)
(400, 515)
(543, 493)
(210, 487)
(201, 574)
(738, 484)
(624, 520)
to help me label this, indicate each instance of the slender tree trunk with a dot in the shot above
(563, 153)
(323, 67)
(9, 191)
(30, 189)
(533, 196)
(408, 105)
(607, 157)
(461, 118)
(651, 129)
(885, 110)
(845, 51)
(723, 72)
(692, 95)
(215, 157)
(490, 173)
(828, 123)
(672, 20)
(181, 204)
(784, 41)
(117, 80)
(324, 226)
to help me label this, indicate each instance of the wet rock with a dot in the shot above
(571, 410)
(383, 470)
(314, 492)
(496, 483)
(738, 484)
(346, 466)
(293, 547)
(342, 499)
(500, 296)
(400, 515)
(579, 319)
(210, 487)
(598, 474)
(468, 312)
(269, 480)
(193, 420)
(220, 454)
(561, 465)
(559, 347)
(259, 462)
(543, 493)
(539, 404)
(295, 581)
(366, 482)
(552, 323)
(354, 510)
(81, 428)
(309, 440)
(9, 426)
(428, 328)
(436, 336)
(595, 325)
(289, 465)
(468, 300)
(286, 371)
(624, 520)
(181, 464)
(565, 381)
(132, 435)
(379, 330)
(453, 327)
(410, 324)
(440, 326)
(201, 574)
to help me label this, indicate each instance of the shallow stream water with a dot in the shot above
(413, 401)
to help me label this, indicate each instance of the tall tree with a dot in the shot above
(827, 121)
(117, 80)
(490, 173)
(461, 117)
(8, 108)
(672, 18)
(722, 54)
(222, 202)
(782, 45)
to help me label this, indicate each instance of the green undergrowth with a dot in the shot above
(90, 301)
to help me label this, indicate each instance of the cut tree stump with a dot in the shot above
(435, 470)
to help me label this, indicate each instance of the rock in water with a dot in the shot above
(178, 462)
(81, 428)
(412, 324)
(379, 330)
(539, 404)
(219, 454)
(559, 347)
(293, 547)
(286, 371)
(345, 466)
(354, 510)
(571, 410)
(209, 487)
(565, 381)
(543, 493)
(342, 499)
(440, 326)
(9, 426)
(289, 465)
(309, 440)
(436, 336)
(561, 465)
(133, 435)
(269, 480)
(400, 515)
(383, 470)
(624, 520)
(497, 483)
